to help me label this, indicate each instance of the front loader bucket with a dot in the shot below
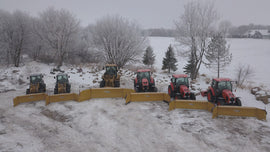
(104, 93)
(61, 97)
(29, 98)
(148, 97)
(191, 104)
(239, 111)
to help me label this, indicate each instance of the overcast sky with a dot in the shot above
(147, 13)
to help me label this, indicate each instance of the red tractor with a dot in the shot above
(220, 93)
(144, 82)
(179, 87)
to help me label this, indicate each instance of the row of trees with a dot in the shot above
(56, 36)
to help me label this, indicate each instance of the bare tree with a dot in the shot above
(120, 40)
(217, 54)
(224, 27)
(243, 73)
(14, 35)
(57, 28)
(193, 29)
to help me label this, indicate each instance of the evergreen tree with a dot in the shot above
(190, 66)
(149, 57)
(218, 55)
(169, 62)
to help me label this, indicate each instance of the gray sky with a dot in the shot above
(147, 13)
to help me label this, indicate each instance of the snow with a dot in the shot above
(110, 125)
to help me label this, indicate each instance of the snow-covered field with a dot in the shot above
(110, 125)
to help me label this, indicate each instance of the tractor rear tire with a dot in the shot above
(192, 96)
(155, 89)
(68, 88)
(117, 84)
(170, 92)
(56, 91)
(27, 91)
(238, 102)
(102, 84)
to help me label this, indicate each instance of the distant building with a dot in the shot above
(258, 34)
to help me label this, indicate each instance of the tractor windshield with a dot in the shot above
(224, 85)
(62, 78)
(35, 79)
(111, 70)
(182, 81)
(143, 75)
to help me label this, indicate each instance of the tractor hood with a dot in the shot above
(184, 89)
(145, 82)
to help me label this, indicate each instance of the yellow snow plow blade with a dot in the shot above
(148, 97)
(191, 104)
(239, 111)
(104, 93)
(61, 97)
(29, 98)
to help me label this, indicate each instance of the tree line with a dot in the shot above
(55, 36)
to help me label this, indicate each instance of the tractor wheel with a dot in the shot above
(136, 89)
(56, 91)
(68, 88)
(27, 91)
(192, 96)
(102, 84)
(238, 102)
(155, 89)
(170, 92)
(116, 84)
(210, 96)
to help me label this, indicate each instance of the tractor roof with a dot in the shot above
(144, 70)
(61, 74)
(222, 79)
(180, 76)
(33, 75)
(111, 65)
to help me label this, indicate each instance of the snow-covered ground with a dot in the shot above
(110, 125)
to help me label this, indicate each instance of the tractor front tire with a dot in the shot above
(170, 92)
(55, 91)
(210, 96)
(102, 84)
(192, 96)
(27, 91)
(238, 102)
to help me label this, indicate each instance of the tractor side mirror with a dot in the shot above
(54, 77)
(27, 77)
(42, 76)
(103, 68)
(68, 76)
(171, 79)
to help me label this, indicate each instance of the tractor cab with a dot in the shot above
(62, 78)
(37, 84)
(220, 84)
(143, 74)
(62, 84)
(180, 79)
(111, 69)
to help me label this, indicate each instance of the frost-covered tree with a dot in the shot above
(169, 62)
(149, 56)
(119, 39)
(217, 54)
(193, 29)
(57, 28)
(14, 35)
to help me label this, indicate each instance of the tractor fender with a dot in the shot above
(212, 91)
(152, 80)
(172, 86)
(227, 95)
